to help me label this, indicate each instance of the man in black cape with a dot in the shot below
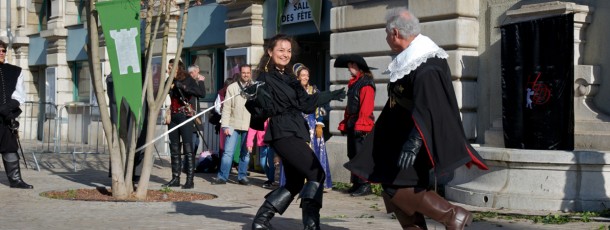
(12, 95)
(420, 131)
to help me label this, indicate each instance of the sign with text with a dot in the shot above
(297, 11)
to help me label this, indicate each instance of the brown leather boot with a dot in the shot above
(429, 203)
(407, 222)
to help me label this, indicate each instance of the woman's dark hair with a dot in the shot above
(181, 73)
(3, 44)
(265, 64)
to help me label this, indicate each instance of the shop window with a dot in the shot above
(82, 82)
(44, 13)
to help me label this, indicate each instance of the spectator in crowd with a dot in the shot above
(182, 90)
(235, 123)
(265, 152)
(315, 124)
(194, 72)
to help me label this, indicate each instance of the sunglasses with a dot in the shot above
(2, 51)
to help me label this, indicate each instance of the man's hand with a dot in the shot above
(227, 131)
(409, 150)
(8, 108)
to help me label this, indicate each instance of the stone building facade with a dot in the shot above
(222, 33)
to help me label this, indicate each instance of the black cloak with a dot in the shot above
(427, 102)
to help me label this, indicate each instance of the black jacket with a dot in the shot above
(428, 104)
(289, 100)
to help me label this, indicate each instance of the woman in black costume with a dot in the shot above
(288, 135)
(183, 89)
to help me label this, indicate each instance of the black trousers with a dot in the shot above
(8, 140)
(185, 131)
(300, 163)
(354, 145)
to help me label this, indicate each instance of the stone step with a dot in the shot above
(596, 126)
(597, 140)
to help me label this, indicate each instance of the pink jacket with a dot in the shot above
(260, 135)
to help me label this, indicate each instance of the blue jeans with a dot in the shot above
(227, 156)
(266, 161)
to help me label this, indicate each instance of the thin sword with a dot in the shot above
(181, 124)
(22, 155)
(255, 84)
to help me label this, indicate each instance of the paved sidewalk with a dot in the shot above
(233, 209)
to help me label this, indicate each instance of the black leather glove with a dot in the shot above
(338, 95)
(358, 133)
(409, 150)
(8, 109)
(326, 96)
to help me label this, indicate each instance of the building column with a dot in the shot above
(358, 27)
(245, 27)
(56, 35)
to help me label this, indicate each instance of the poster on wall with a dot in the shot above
(537, 83)
(233, 59)
(156, 74)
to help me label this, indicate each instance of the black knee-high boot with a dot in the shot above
(311, 203)
(189, 156)
(278, 201)
(13, 172)
(174, 150)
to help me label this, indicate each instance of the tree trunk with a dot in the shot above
(155, 105)
(118, 184)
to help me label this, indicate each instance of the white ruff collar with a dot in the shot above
(418, 52)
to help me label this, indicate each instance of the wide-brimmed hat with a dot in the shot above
(342, 60)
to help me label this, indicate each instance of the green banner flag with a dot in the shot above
(281, 4)
(120, 21)
(316, 12)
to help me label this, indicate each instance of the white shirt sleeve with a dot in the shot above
(19, 93)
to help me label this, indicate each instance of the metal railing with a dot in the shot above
(76, 128)
(84, 130)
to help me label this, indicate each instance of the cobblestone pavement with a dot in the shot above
(233, 209)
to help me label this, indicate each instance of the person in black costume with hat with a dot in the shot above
(358, 119)
(288, 134)
(12, 95)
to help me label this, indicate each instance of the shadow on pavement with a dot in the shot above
(231, 214)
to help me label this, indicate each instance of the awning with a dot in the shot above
(206, 26)
(76, 42)
(37, 51)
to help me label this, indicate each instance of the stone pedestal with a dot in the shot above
(546, 180)
(535, 180)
